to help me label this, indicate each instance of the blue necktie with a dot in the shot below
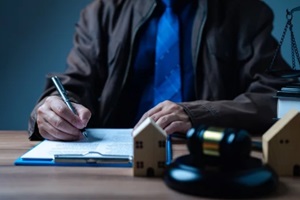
(167, 81)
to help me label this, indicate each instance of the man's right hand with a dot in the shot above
(57, 122)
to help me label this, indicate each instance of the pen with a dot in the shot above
(63, 93)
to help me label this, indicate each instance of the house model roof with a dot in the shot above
(146, 123)
(282, 124)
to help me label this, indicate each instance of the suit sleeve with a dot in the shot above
(253, 109)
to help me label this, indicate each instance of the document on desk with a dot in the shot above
(102, 147)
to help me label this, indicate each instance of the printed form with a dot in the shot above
(100, 142)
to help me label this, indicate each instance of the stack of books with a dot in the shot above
(288, 99)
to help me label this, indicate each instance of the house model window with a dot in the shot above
(139, 165)
(139, 144)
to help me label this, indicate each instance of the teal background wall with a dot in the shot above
(279, 8)
(35, 38)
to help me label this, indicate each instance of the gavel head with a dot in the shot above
(215, 146)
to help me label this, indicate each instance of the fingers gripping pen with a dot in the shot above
(63, 93)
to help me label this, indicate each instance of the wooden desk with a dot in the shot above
(24, 182)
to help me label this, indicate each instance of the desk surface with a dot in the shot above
(26, 182)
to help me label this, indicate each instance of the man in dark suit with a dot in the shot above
(225, 48)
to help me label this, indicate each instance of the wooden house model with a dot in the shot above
(281, 145)
(149, 150)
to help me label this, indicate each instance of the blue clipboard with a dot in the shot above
(88, 160)
(77, 160)
(51, 162)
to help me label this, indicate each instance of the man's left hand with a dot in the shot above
(169, 116)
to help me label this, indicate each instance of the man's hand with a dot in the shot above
(169, 116)
(57, 122)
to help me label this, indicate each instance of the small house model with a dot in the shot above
(281, 145)
(149, 150)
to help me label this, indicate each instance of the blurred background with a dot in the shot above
(36, 37)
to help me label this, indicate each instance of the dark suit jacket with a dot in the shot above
(232, 47)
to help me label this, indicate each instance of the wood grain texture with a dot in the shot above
(26, 182)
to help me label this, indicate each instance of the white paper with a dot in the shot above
(104, 141)
(284, 105)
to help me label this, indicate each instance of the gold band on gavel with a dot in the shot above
(211, 141)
